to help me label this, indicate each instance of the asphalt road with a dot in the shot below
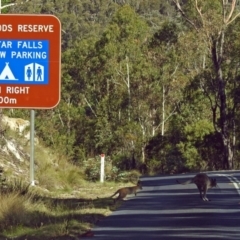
(166, 210)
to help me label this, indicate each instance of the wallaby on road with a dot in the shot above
(123, 192)
(203, 183)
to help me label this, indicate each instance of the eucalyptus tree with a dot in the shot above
(82, 23)
(120, 80)
(166, 58)
(212, 24)
(169, 82)
(79, 19)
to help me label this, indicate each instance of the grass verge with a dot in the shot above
(40, 215)
(62, 205)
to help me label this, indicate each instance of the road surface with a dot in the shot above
(166, 210)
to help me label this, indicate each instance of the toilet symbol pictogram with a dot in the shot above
(39, 74)
(34, 72)
(29, 73)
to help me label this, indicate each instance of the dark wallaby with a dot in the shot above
(123, 192)
(203, 183)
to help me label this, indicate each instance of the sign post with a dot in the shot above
(102, 168)
(32, 135)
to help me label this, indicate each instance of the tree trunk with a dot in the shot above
(129, 91)
(227, 153)
(143, 154)
(217, 52)
(216, 39)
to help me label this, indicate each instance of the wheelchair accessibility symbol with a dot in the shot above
(34, 72)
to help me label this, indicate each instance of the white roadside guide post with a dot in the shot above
(102, 168)
(32, 134)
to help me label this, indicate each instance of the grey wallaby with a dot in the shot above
(123, 192)
(203, 183)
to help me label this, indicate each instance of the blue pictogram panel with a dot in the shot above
(24, 62)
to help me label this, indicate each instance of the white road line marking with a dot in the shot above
(233, 180)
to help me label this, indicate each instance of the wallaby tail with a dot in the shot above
(114, 194)
(186, 182)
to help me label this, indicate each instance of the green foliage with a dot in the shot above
(92, 169)
(13, 211)
(198, 130)
(16, 186)
(168, 34)
(195, 134)
(47, 216)
(6, 4)
(163, 156)
(113, 170)
(135, 70)
(122, 162)
(12, 185)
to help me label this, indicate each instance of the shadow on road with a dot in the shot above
(170, 211)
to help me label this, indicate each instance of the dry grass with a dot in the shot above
(61, 206)
(51, 215)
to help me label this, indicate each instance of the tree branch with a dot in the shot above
(90, 106)
(199, 10)
(184, 15)
(231, 12)
(230, 17)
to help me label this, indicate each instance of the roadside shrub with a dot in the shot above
(129, 176)
(74, 177)
(92, 169)
(13, 210)
(112, 173)
(14, 185)
(2, 181)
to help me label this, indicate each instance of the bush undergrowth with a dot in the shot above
(65, 202)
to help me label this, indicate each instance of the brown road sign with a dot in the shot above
(30, 61)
